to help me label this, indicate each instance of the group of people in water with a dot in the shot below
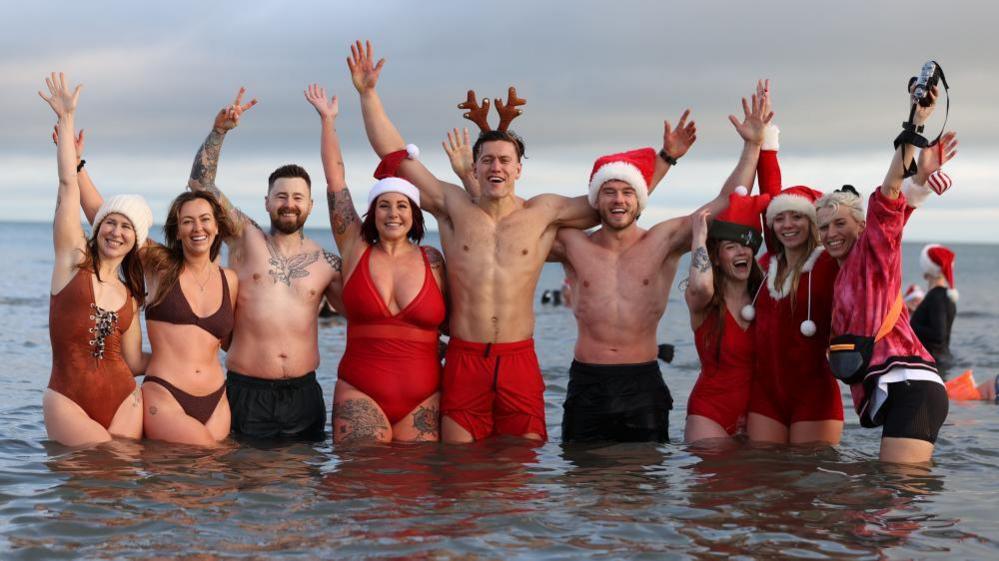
(773, 334)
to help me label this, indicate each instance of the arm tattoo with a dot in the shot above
(334, 260)
(699, 260)
(435, 258)
(426, 421)
(342, 213)
(284, 269)
(206, 162)
(357, 420)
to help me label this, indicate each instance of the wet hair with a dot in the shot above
(289, 170)
(505, 136)
(717, 304)
(843, 197)
(370, 232)
(167, 259)
(130, 272)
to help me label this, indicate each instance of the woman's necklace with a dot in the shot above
(207, 276)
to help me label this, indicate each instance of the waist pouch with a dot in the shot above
(849, 357)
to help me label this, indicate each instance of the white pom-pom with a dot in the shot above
(741, 191)
(808, 328)
(412, 152)
(748, 312)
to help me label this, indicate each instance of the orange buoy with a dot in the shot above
(963, 388)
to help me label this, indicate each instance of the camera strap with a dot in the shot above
(910, 132)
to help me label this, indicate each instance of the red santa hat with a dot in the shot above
(938, 260)
(634, 167)
(800, 199)
(740, 221)
(394, 185)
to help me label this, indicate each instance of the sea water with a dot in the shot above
(499, 499)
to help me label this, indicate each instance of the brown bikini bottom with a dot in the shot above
(199, 407)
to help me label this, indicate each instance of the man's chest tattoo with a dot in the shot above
(284, 269)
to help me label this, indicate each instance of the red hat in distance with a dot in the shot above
(740, 222)
(939, 260)
(634, 167)
(799, 198)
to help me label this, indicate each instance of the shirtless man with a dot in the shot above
(495, 248)
(271, 382)
(622, 275)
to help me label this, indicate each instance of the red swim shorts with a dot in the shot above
(494, 388)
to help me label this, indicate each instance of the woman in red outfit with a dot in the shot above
(794, 397)
(388, 385)
(97, 288)
(724, 276)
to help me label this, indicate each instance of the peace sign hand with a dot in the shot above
(228, 117)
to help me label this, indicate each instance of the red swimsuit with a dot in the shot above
(722, 390)
(393, 359)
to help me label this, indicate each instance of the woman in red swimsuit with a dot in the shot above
(97, 288)
(724, 276)
(388, 385)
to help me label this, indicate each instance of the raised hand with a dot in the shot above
(475, 113)
(677, 142)
(934, 157)
(228, 117)
(363, 72)
(77, 141)
(459, 151)
(327, 108)
(62, 100)
(756, 117)
(508, 111)
(923, 113)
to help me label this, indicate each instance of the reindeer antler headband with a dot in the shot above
(479, 114)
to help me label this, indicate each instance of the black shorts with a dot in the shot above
(616, 402)
(914, 409)
(291, 409)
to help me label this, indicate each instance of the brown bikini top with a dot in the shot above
(177, 310)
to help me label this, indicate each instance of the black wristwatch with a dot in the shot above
(667, 158)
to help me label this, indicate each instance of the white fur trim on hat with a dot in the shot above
(621, 171)
(394, 185)
(927, 264)
(915, 194)
(132, 207)
(771, 138)
(785, 202)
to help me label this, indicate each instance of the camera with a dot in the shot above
(928, 77)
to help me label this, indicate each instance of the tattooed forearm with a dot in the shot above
(699, 260)
(342, 213)
(358, 420)
(334, 260)
(206, 162)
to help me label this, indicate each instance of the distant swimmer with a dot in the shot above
(283, 275)
(934, 318)
(724, 278)
(96, 291)
(388, 384)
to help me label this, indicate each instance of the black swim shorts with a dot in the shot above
(914, 409)
(616, 402)
(292, 409)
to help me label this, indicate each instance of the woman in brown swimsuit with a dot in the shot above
(97, 288)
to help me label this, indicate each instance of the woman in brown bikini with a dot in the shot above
(97, 288)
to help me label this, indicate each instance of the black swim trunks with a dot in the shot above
(292, 409)
(914, 409)
(616, 402)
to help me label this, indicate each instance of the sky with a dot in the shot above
(599, 77)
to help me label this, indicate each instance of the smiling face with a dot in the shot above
(196, 227)
(288, 203)
(793, 229)
(839, 230)
(115, 236)
(617, 204)
(734, 260)
(393, 216)
(497, 168)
